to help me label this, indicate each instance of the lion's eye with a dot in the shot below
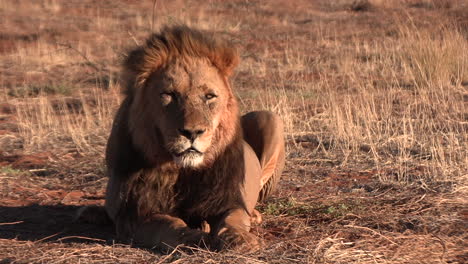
(166, 98)
(210, 96)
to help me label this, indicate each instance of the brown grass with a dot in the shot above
(373, 95)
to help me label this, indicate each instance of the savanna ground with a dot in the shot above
(373, 94)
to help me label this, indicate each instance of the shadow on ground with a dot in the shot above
(50, 223)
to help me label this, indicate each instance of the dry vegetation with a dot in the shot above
(373, 93)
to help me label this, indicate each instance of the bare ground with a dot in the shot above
(340, 200)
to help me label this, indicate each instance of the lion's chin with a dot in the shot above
(189, 160)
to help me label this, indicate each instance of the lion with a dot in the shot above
(184, 166)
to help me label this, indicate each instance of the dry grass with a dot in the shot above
(373, 94)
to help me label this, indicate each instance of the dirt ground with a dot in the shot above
(340, 200)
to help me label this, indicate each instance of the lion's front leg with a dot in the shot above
(233, 229)
(234, 232)
(163, 230)
(167, 232)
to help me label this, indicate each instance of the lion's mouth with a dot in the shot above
(189, 151)
(189, 158)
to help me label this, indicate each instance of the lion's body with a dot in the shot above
(177, 156)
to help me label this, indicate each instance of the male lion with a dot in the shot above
(179, 154)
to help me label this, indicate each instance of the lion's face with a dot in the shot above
(187, 100)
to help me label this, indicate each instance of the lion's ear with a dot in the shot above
(134, 60)
(142, 61)
(132, 69)
(227, 61)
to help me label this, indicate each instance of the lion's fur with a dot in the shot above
(146, 181)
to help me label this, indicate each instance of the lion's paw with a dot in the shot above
(239, 240)
(256, 217)
(194, 237)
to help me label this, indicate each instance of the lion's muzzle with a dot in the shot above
(188, 150)
(191, 134)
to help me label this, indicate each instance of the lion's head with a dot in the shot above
(182, 104)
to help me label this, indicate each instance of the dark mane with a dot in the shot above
(191, 194)
(213, 191)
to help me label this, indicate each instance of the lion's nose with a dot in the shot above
(191, 134)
